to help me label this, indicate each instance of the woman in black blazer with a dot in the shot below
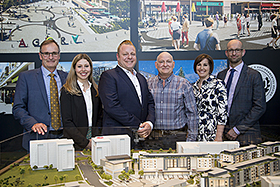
(81, 108)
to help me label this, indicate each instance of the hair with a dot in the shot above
(47, 42)
(201, 57)
(71, 84)
(125, 42)
(209, 22)
(174, 18)
(273, 16)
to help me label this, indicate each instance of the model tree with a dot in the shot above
(141, 173)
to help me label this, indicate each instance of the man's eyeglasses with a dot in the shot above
(234, 50)
(47, 54)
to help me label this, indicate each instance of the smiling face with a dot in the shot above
(235, 52)
(127, 57)
(83, 70)
(203, 69)
(49, 60)
(164, 65)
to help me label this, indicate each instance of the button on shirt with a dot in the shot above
(175, 104)
(88, 100)
(47, 79)
(233, 86)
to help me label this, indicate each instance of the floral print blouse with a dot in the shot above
(211, 102)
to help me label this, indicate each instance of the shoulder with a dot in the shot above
(181, 81)
(30, 72)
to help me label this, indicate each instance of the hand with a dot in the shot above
(231, 134)
(40, 128)
(89, 145)
(145, 130)
(218, 139)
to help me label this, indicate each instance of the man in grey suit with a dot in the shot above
(32, 96)
(246, 98)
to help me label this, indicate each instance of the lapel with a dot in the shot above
(62, 78)
(41, 85)
(124, 76)
(240, 81)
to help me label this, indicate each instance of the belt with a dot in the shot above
(169, 132)
(56, 132)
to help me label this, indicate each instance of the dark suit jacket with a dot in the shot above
(31, 103)
(248, 105)
(75, 118)
(122, 107)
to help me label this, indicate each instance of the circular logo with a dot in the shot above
(270, 83)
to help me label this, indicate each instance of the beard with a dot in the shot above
(235, 60)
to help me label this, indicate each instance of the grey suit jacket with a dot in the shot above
(31, 103)
(248, 105)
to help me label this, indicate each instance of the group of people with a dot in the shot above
(243, 23)
(155, 113)
(177, 31)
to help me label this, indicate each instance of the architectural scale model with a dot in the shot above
(59, 153)
(109, 146)
(205, 147)
(214, 163)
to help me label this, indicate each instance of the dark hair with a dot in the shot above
(201, 57)
(125, 42)
(49, 41)
(209, 22)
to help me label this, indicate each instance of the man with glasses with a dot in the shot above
(36, 103)
(175, 106)
(246, 97)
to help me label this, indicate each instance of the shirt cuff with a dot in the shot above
(236, 130)
(151, 124)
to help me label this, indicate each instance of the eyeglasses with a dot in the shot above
(234, 50)
(47, 54)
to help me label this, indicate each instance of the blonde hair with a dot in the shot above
(71, 84)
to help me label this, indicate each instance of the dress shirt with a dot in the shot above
(233, 86)
(136, 84)
(175, 104)
(47, 79)
(88, 100)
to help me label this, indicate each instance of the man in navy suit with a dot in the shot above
(246, 98)
(32, 96)
(128, 103)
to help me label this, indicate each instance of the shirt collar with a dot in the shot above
(81, 84)
(127, 71)
(47, 72)
(168, 79)
(237, 68)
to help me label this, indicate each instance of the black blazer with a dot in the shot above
(75, 119)
(122, 107)
(248, 105)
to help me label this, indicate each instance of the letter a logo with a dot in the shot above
(22, 43)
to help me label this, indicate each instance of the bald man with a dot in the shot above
(176, 112)
(246, 97)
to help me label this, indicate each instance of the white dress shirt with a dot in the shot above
(88, 100)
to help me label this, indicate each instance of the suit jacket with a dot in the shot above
(75, 118)
(122, 107)
(248, 105)
(31, 103)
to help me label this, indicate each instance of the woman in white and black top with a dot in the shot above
(81, 108)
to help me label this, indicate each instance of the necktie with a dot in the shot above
(230, 80)
(55, 110)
